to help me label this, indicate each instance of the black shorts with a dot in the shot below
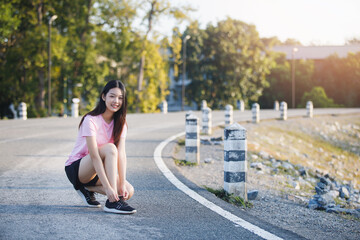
(72, 172)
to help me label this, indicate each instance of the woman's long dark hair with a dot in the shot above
(119, 116)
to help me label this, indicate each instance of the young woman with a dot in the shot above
(98, 160)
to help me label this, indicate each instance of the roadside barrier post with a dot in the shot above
(283, 110)
(206, 120)
(188, 114)
(255, 113)
(276, 105)
(164, 107)
(235, 160)
(241, 105)
(203, 104)
(192, 140)
(12, 109)
(22, 111)
(228, 114)
(309, 108)
(75, 107)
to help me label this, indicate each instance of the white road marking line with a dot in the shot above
(171, 177)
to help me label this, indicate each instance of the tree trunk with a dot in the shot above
(40, 99)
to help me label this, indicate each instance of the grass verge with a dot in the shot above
(230, 198)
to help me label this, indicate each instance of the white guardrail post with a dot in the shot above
(228, 114)
(283, 110)
(192, 139)
(235, 160)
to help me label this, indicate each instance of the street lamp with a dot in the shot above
(187, 37)
(293, 76)
(49, 64)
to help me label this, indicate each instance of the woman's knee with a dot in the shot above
(108, 149)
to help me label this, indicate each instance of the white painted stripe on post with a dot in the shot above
(191, 128)
(234, 167)
(233, 218)
(234, 187)
(230, 145)
(191, 142)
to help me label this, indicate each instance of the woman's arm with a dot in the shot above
(122, 162)
(110, 191)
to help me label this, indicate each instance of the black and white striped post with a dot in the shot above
(309, 109)
(276, 105)
(206, 120)
(255, 110)
(188, 114)
(75, 107)
(203, 104)
(283, 110)
(228, 114)
(235, 160)
(22, 111)
(164, 107)
(192, 139)
(241, 105)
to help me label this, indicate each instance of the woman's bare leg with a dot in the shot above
(108, 154)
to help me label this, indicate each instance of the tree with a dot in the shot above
(318, 96)
(232, 65)
(340, 78)
(154, 9)
(280, 82)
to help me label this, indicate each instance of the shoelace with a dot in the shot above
(92, 196)
(120, 203)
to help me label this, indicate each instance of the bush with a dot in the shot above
(318, 96)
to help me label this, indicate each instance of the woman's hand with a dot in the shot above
(112, 195)
(124, 192)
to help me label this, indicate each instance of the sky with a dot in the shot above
(312, 22)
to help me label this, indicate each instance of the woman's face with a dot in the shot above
(113, 99)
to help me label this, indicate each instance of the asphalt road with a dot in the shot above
(38, 202)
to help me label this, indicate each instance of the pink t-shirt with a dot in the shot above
(93, 126)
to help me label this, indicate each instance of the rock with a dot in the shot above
(264, 155)
(254, 157)
(287, 166)
(303, 172)
(337, 209)
(276, 164)
(294, 184)
(205, 141)
(313, 204)
(257, 165)
(344, 193)
(325, 181)
(321, 185)
(325, 200)
(333, 193)
(208, 160)
(252, 195)
(319, 191)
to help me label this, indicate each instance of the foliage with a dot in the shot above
(230, 198)
(318, 96)
(91, 43)
(340, 78)
(280, 82)
(227, 62)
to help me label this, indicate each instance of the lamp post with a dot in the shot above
(293, 76)
(187, 37)
(49, 64)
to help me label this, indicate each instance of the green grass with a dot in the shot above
(184, 163)
(230, 198)
(181, 142)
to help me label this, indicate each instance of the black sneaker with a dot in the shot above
(88, 197)
(119, 207)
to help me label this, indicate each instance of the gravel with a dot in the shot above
(277, 202)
